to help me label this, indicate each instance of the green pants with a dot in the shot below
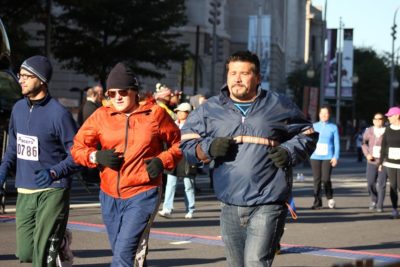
(41, 219)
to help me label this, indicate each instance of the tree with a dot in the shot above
(14, 15)
(372, 93)
(298, 79)
(91, 36)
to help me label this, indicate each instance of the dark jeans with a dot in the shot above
(322, 170)
(394, 179)
(376, 184)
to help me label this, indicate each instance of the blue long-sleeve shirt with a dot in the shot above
(40, 137)
(328, 145)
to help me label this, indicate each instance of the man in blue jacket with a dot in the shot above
(41, 132)
(254, 136)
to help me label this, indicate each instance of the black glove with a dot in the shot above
(2, 181)
(109, 158)
(43, 178)
(154, 167)
(279, 156)
(220, 146)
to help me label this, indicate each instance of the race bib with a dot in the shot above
(322, 149)
(394, 153)
(27, 147)
(376, 151)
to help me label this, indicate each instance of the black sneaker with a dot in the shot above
(278, 249)
(395, 214)
(316, 206)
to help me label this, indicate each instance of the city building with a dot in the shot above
(286, 34)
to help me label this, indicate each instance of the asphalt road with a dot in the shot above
(317, 238)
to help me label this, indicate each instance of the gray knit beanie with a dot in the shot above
(40, 66)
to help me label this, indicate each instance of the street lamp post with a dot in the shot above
(339, 73)
(391, 86)
(322, 78)
(214, 20)
(355, 81)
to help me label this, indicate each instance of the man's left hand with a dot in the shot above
(279, 156)
(43, 178)
(154, 167)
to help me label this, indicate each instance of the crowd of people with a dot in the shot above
(139, 145)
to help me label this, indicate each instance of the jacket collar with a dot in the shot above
(143, 107)
(43, 102)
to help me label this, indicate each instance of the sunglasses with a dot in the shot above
(122, 93)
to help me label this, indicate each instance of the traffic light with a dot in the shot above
(394, 31)
(208, 44)
(220, 49)
(214, 12)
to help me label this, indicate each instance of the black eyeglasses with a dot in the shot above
(122, 93)
(25, 76)
(378, 118)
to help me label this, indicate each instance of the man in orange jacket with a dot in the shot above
(131, 162)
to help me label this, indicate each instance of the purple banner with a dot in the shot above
(331, 65)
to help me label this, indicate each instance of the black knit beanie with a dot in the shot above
(121, 77)
(40, 66)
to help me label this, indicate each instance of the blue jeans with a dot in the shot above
(252, 234)
(170, 193)
(128, 223)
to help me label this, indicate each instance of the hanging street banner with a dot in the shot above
(259, 42)
(330, 76)
(347, 64)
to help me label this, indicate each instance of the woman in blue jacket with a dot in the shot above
(325, 157)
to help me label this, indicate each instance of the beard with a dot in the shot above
(240, 92)
(31, 93)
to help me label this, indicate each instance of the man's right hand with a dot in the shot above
(221, 146)
(109, 158)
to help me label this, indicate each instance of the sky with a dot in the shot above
(372, 21)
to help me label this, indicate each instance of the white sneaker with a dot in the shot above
(372, 206)
(331, 203)
(189, 215)
(165, 213)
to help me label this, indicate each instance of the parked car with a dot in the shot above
(10, 90)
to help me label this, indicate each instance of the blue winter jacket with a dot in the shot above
(250, 177)
(53, 127)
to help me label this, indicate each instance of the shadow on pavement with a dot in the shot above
(171, 223)
(385, 245)
(92, 253)
(7, 257)
(185, 262)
